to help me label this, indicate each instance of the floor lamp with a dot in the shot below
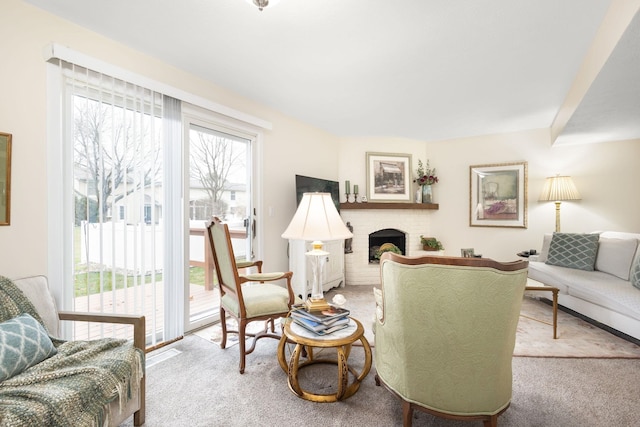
(557, 189)
(317, 219)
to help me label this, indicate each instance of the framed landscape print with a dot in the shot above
(498, 195)
(388, 177)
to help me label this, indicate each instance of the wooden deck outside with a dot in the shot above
(124, 301)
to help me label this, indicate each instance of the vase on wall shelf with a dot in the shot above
(427, 194)
(419, 194)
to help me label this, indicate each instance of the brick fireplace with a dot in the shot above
(411, 222)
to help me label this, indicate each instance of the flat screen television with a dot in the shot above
(307, 184)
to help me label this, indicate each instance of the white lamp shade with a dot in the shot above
(317, 219)
(558, 188)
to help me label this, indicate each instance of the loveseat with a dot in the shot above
(597, 274)
(46, 381)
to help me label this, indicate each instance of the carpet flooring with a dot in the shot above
(195, 383)
(198, 385)
(534, 338)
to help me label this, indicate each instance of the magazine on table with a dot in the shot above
(320, 326)
(325, 316)
(328, 330)
(326, 322)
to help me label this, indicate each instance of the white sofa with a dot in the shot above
(605, 294)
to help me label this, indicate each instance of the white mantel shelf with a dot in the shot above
(378, 205)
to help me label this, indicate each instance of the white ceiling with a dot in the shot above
(420, 69)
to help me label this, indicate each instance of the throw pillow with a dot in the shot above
(615, 256)
(23, 343)
(635, 273)
(544, 252)
(573, 250)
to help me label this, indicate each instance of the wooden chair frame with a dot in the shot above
(139, 341)
(231, 284)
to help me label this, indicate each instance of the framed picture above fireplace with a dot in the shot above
(498, 195)
(388, 177)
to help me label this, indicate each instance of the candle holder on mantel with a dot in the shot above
(348, 196)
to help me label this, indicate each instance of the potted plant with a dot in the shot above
(431, 244)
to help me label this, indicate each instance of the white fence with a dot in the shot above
(138, 248)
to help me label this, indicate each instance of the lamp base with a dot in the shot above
(312, 304)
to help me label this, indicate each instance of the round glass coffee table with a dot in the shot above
(341, 340)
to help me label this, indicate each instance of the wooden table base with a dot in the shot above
(553, 290)
(343, 350)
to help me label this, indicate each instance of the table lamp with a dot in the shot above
(317, 219)
(558, 188)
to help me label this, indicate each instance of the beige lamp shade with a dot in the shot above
(558, 188)
(317, 219)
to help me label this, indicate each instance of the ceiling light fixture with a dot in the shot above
(264, 3)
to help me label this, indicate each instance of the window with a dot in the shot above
(113, 144)
(119, 232)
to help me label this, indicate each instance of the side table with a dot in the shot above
(533, 285)
(307, 340)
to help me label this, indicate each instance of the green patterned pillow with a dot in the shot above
(23, 343)
(573, 250)
(635, 273)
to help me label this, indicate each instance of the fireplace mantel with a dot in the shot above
(378, 205)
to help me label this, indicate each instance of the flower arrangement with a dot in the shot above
(426, 176)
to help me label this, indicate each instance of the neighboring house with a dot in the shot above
(232, 204)
(128, 208)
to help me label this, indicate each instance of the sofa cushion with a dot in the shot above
(635, 273)
(544, 252)
(615, 256)
(23, 343)
(36, 289)
(573, 250)
(608, 291)
(595, 287)
(551, 275)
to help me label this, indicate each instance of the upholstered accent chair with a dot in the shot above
(445, 331)
(246, 297)
(36, 290)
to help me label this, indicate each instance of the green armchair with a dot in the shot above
(445, 332)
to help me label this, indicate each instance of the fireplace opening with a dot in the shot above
(387, 235)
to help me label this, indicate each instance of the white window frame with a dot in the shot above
(59, 244)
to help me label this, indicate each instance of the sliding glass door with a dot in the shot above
(219, 185)
(134, 177)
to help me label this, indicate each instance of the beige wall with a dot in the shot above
(291, 147)
(605, 175)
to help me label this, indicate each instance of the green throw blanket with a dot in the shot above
(73, 387)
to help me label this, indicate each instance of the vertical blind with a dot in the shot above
(115, 139)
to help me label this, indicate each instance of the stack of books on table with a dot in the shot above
(321, 322)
